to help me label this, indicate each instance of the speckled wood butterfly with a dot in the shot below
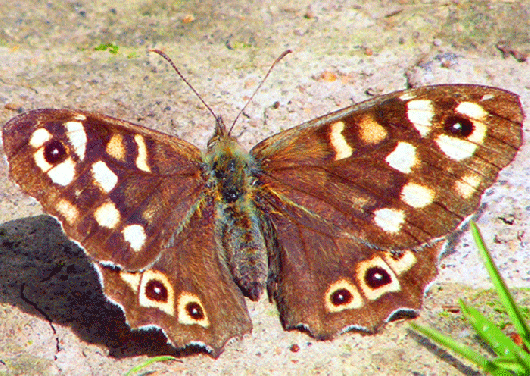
(341, 218)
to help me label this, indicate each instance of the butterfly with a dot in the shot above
(339, 220)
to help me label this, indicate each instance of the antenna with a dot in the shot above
(284, 53)
(218, 118)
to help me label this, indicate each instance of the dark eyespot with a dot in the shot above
(377, 277)
(54, 152)
(458, 126)
(195, 311)
(155, 290)
(341, 297)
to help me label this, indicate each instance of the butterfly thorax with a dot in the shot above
(239, 226)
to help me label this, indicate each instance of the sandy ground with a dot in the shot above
(344, 52)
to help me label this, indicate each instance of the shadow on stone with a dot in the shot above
(59, 279)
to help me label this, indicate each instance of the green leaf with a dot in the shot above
(111, 47)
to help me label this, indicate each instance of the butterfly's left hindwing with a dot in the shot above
(188, 291)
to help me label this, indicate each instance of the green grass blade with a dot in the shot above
(500, 343)
(511, 358)
(148, 362)
(504, 294)
(489, 366)
(509, 363)
(450, 343)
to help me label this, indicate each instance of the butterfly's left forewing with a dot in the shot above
(137, 201)
(382, 180)
(110, 183)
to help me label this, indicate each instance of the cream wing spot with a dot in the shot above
(338, 142)
(40, 137)
(107, 215)
(62, 174)
(407, 96)
(135, 236)
(401, 264)
(403, 158)
(471, 110)
(40, 160)
(455, 148)
(115, 147)
(104, 177)
(468, 185)
(390, 220)
(156, 292)
(75, 131)
(191, 311)
(417, 195)
(141, 159)
(67, 210)
(79, 117)
(131, 279)
(370, 131)
(420, 113)
(376, 278)
(342, 295)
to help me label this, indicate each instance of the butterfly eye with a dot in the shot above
(219, 174)
(155, 290)
(231, 195)
(459, 126)
(377, 277)
(55, 152)
(231, 166)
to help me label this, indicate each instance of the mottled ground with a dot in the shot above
(343, 52)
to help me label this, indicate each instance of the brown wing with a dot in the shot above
(327, 283)
(398, 170)
(110, 183)
(358, 198)
(188, 291)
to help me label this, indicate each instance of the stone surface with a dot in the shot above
(343, 52)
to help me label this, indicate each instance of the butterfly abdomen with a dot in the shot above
(238, 223)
